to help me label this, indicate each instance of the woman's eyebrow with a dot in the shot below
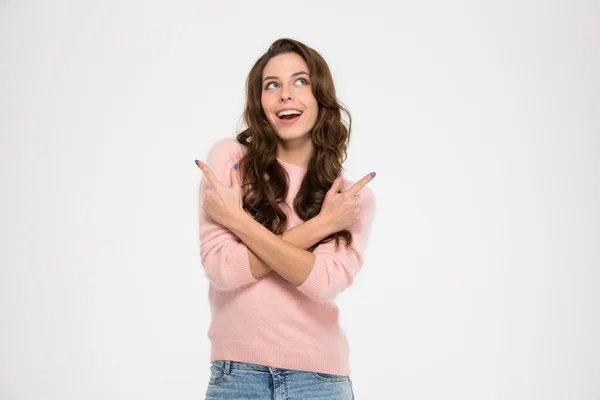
(294, 74)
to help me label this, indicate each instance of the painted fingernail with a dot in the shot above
(339, 173)
(235, 166)
(197, 162)
(373, 173)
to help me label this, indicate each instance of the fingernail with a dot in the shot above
(339, 173)
(235, 166)
(373, 174)
(197, 162)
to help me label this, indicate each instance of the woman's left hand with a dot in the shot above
(221, 202)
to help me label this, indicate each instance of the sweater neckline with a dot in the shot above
(292, 165)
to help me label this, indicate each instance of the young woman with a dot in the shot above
(281, 235)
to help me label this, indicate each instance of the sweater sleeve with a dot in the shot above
(224, 256)
(334, 270)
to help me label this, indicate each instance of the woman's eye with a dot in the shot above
(272, 85)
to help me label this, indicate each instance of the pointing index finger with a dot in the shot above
(208, 173)
(360, 184)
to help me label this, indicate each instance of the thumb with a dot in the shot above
(336, 186)
(235, 176)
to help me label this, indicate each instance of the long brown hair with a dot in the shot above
(330, 136)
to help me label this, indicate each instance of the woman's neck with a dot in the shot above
(298, 153)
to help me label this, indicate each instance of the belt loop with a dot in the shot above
(227, 366)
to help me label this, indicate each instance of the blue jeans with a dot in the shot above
(233, 380)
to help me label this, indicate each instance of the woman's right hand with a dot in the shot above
(342, 210)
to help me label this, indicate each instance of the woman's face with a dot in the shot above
(286, 85)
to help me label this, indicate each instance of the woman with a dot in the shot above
(278, 241)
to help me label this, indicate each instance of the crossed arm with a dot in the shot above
(232, 252)
(267, 250)
(237, 250)
(302, 236)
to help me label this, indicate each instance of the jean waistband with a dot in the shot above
(228, 365)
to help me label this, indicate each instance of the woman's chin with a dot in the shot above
(286, 134)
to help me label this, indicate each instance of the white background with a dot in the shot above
(481, 119)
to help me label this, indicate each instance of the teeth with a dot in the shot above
(289, 112)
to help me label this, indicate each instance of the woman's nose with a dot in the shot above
(286, 94)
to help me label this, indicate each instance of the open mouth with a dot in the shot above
(289, 117)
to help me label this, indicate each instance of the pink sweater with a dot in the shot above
(268, 320)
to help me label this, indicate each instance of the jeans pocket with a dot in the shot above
(217, 373)
(330, 377)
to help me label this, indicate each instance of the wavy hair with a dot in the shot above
(264, 180)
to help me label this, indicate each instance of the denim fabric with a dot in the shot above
(234, 380)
